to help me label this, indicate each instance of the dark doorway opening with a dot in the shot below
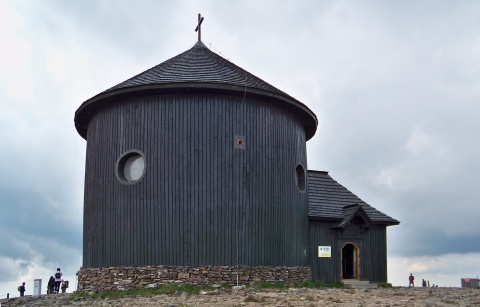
(350, 261)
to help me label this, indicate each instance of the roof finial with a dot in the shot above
(199, 27)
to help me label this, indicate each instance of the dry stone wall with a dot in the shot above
(123, 278)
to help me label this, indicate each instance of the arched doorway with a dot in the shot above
(350, 261)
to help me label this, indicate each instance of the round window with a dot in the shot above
(300, 177)
(131, 167)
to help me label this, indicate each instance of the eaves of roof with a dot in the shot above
(328, 199)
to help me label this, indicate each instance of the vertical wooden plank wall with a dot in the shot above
(201, 202)
(375, 254)
(326, 270)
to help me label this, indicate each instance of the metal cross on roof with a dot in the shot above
(199, 27)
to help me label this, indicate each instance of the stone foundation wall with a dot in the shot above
(124, 278)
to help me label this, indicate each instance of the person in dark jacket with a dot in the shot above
(22, 289)
(51, 285)
(411, 280)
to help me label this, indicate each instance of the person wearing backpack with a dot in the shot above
(58, 280)
(21, 289)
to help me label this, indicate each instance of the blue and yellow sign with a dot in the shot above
(325, 251)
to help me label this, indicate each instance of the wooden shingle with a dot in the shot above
(328, 199)
(200, 71)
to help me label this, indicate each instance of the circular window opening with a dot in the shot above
(131, 167)
(300, 177)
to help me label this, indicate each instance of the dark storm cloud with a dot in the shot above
(423, 242)
(13, 244)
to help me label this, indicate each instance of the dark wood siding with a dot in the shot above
(373, 252)
(326, 270)
(201, 201)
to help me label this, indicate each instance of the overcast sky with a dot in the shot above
(395, 86)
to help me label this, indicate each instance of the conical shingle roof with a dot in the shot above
(198, 65)
(197, 70)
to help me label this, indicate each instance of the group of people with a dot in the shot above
(53, 286)
(425, 283)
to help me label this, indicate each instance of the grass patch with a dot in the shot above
(306, 284)
(190, 289)
(310, 284)
(335, 284)
(383, 285)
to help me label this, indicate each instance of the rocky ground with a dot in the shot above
(290, 297)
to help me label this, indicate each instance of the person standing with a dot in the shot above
(58, 279)
(411, 280)
(64, 285)
(21, 289)
(51, 285)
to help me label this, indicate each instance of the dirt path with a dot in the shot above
(291, 297)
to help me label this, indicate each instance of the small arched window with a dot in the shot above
(301, 180)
